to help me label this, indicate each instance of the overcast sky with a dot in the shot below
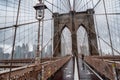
(8, 14)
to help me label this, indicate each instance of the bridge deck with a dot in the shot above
(67, 72)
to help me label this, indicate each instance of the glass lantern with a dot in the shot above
(39, 7)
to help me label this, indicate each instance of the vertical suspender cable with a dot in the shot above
(52, 30)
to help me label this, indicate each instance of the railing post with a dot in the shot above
(42, 74)
(114, 71)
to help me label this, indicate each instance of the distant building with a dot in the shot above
(21, 52)
(63, 49)
(1, 53)
(6, 56)
(24, 51)
(17, 52)
(34, 49)
(43, 53)
(30, 54)
(49, 51)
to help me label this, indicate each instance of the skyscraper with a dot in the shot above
(17, 53)
(6, 56)
(21, 52)
(63, 49)
(49, 50)
(34, 49)
(1, 53)
(43, 53)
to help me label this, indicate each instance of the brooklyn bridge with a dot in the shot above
(59, 40)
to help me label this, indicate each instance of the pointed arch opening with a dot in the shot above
(82, 40)
(66, 42)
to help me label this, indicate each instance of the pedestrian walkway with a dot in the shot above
(85, 73)
(70, 72)
(66, 72)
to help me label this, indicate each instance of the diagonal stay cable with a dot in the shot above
(54, 5)
(13, 45)
(78, 4)
(85, 5)
(96, 4)
(104, 40)
(22, 24)
(67, 8)
(69, 4)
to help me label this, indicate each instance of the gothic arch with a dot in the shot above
(73, 20)
(91, 33)
(65, 26)
(82, 26)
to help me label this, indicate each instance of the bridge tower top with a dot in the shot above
(73, 20)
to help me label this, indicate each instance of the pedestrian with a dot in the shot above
(82, 55)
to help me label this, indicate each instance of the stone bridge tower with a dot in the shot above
(73, 21)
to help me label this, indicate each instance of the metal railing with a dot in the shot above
(32, 71)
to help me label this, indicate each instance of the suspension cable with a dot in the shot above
(22, 24)
(84, 5)
(69, 4)
(78, 4)
(64, 5)
(74, 1)
(13, 46)
(108, 26)
(96, 4)
(104, 40)
(67, 1)
(54, 5)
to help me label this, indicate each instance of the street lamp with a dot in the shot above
(39, 7)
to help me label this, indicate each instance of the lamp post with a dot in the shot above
(39, 7)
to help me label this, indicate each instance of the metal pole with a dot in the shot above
(42, 38)
(38, 43)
